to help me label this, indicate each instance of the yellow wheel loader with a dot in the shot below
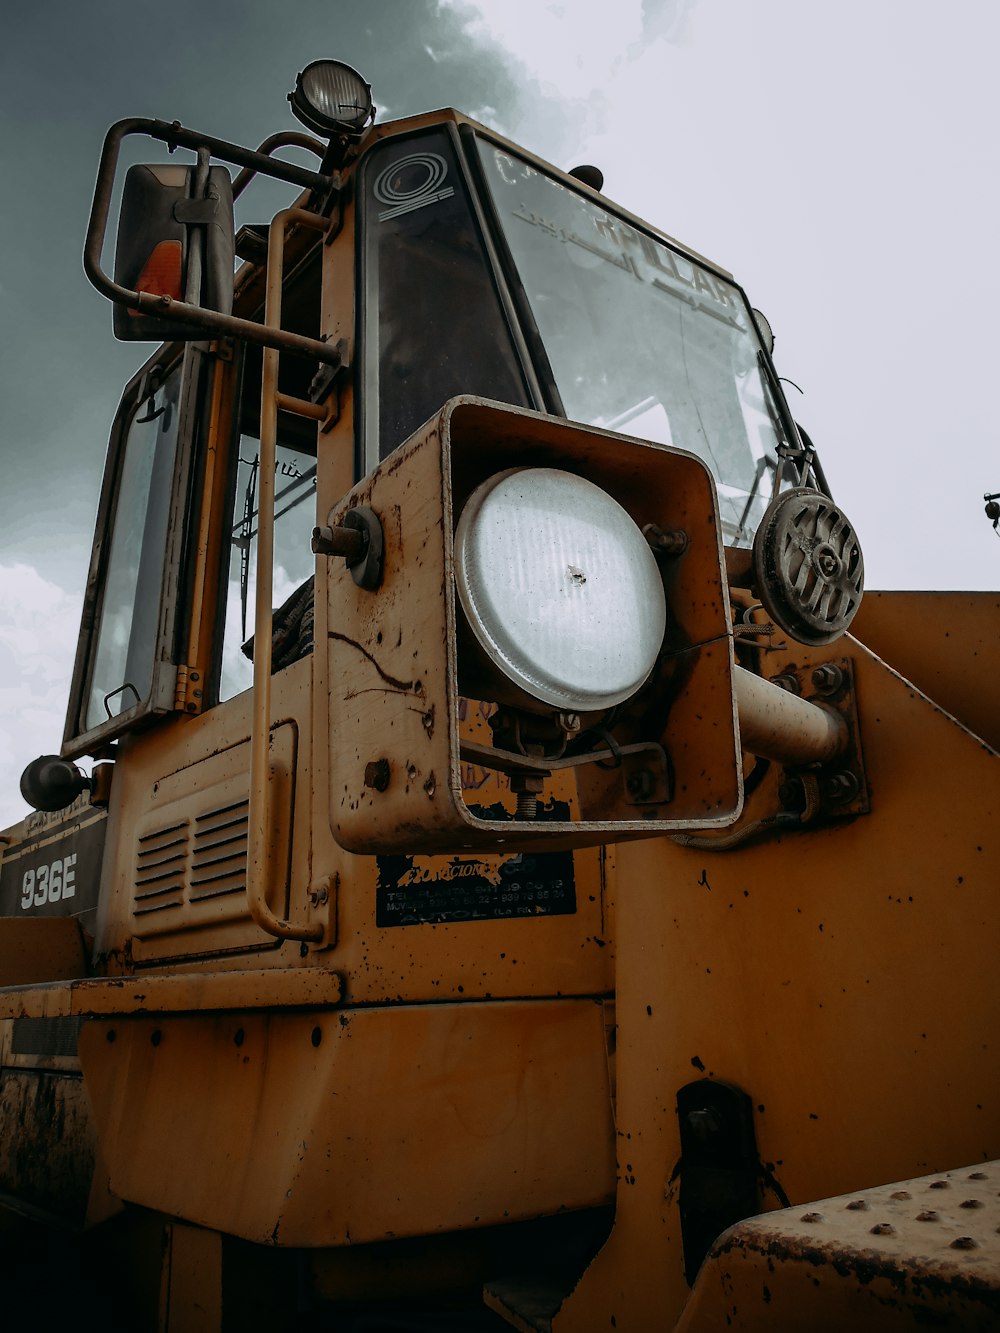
(520, 881)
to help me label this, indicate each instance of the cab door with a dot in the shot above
(129, 651)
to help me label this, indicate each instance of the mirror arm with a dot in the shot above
(215, 324)
(284, 139)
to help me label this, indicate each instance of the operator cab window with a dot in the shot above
(641, 338)
(294, 505)
(128, 619)
(433, 322)
(295, 517)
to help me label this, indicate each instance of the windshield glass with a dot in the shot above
(640, 338)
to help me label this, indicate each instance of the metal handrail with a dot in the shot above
(260, 733)
(283, 139)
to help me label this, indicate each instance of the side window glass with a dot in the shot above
(128, 618)
(434, 325)
(294, 503)
(295, 517)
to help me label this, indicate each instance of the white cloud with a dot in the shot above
(39, 622)
(842, 163)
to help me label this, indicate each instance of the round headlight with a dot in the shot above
(330, 96)
(560, 588)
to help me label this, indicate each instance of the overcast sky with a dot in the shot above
(841, 160)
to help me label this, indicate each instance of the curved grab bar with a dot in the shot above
(283, 139)
(260, 733)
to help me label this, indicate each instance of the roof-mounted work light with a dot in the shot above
(332, 98)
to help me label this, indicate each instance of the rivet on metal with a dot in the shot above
(940, 1184)
(971, 1203)
(858, 1206)
(901, 1194)
(883, 1229)
(978, 1175)
(928, 1215)
(964, 1243)
(812, 1217)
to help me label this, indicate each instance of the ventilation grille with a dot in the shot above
(219, 852)
(161, 862)
(190, 864)
(186, 871)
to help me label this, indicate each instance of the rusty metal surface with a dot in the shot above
(844, 977)
(315, 1129)
(181, 992)
(947, 644)
(916, 1253)
(47, 1143)
(187, 773)
(397, 666)
(34, 949)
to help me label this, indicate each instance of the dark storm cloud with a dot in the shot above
(69, 69)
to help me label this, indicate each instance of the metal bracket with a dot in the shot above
(842, 784)
(645, 768)
(189, 691)
(196, 212)
(329, 377)
(719, 1168)
(359, 540)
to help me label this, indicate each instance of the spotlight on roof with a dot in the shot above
(332, 98)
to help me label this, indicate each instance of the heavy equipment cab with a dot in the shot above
(501, 875)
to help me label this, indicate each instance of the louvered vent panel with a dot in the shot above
(219, 852)
(161, 859)
(192, 836)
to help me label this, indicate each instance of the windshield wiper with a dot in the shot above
(798, 450)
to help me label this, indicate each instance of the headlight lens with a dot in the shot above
(331, 96)
(560, 588)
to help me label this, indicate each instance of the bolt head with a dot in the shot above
(786, 681)
(377, 774)
(828, 678)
